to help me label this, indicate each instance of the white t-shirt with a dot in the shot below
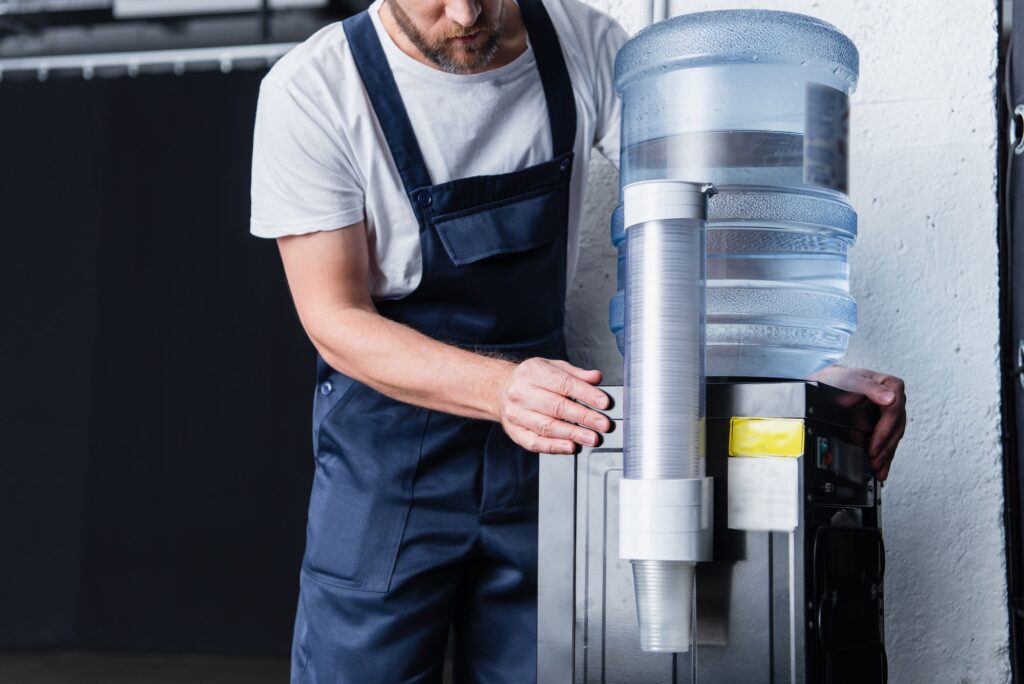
(320, 161)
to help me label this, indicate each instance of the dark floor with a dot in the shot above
(85, 667)
(78, 667)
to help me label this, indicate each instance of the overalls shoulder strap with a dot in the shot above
(554, 75)
(380, 85)
(387, 103)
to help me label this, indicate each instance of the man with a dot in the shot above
(422, 168)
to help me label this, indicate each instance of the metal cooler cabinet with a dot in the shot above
(800, 606)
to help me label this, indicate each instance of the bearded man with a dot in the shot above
(421, 166)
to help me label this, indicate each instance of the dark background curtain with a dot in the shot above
(156, 384)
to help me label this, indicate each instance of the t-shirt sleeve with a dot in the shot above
(302, 179)
(609, 108)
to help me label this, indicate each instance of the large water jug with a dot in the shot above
(757, 103)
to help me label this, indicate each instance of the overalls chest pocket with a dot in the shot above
(510, 214)
(510, 227)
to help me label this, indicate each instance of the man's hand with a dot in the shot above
(887, 391)
(539, 407)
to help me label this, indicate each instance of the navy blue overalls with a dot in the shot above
(421, 520)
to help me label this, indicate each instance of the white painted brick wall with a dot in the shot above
(924, 270)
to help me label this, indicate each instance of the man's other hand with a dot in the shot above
(541, 406)
(888, 392)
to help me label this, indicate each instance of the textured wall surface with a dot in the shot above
(590, 342)
(923, 180)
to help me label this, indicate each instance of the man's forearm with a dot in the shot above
(533, 400)
(409, 366)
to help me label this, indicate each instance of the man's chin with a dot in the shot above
(470, 66)
(461, 61)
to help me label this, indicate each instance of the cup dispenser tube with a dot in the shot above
(665, 511)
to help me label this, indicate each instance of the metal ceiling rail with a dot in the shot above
(226, 58)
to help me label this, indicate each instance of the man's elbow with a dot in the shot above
(335, 331)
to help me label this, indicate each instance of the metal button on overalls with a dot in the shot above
(419, 520)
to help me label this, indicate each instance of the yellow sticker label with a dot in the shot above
(766, 437)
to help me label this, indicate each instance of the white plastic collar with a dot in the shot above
(663, 200)
(666, 519)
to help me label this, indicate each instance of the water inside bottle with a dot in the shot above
(778, 302)
(769, 158)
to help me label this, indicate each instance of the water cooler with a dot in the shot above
(728, 528)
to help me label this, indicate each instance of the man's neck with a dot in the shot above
(511, 45)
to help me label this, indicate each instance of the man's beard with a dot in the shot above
(447, 54)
